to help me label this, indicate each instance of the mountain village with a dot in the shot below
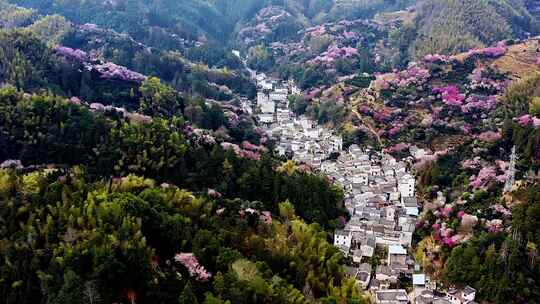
(379, 196)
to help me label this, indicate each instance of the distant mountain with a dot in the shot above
(452, 26)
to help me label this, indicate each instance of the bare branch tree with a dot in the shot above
(91, 293)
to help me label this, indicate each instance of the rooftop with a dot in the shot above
(419, 279)
(392, 295)
(396, 249)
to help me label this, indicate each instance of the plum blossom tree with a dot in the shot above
(450, 95)
(110, 70)
(490, 136)
(196, 270)
(486, 175)
(68, 52)
(490, 52)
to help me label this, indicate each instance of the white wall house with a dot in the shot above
(342, 238)
(406, 185)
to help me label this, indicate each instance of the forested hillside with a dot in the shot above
(473, 24)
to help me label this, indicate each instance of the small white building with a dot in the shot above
(266, 118)
(342, 238)
(406, 185)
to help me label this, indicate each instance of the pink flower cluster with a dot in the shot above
(486, 175)
(89, 27)
(445, 235)
(446, 211)
(494, 226)
(398, 148)
(434, 58)
(251, 147)
(467, 221)
(429, 158)
(450, 95)
(131, 116)
(110, 70)
(413, 75)
(471, 163)
(213, 193)
(351, 35)
(395, 129)
(479, 81)
(240, 152)
(490, 52)
(334, 52)
(196, 270)
(364, 109)
(501, 209)
(490, 136)
(68, 52)
(475, 102)
(207, 139)
(11, 163)
(75, 100)
(316, 30)
(381, 116)
(527, 120)
(266, 217)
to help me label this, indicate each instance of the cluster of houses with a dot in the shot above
(379, 195)
(272, 98)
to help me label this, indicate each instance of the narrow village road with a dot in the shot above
(367, 126)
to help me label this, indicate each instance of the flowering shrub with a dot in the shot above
(490, 52)
(240, 152)
(475, 102)
(527, 120)
(96, 106)
(266, 217)
(398, 147)
(490, 136)
(196, 270)
(75, 100)
(435, 58)
(501, 209)
(251, 147)
(139, 118)
(445, 234)
(467, 222)
(486, 175)
(450, 95)
(479, 79)
(471, 163)
(11, 163)
(65, 51)
(213, 193)
(89, 27)
(447, 211)
(110, 70)
(494, 226)
(333, 53)
(413, 75)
